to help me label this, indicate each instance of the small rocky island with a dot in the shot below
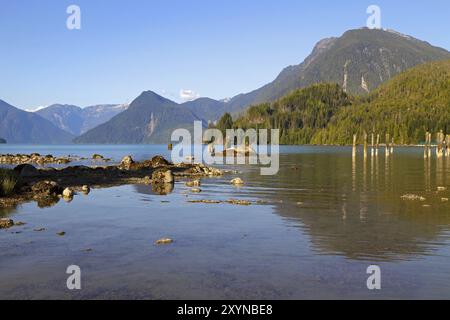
(48, 185)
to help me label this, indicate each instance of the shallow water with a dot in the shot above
(324, 220)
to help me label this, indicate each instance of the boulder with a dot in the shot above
(26, 170)
(85, 189)
(237, 182)
(126, 162)
(46, 188)
(68, 193)
(6, 223)
(97, 157)
(163, 176)
(163, 241)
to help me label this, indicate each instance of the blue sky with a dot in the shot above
(216, 48)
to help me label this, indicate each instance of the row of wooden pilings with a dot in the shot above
(442, 144)
(375, 144)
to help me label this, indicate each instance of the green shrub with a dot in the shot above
(8, 182)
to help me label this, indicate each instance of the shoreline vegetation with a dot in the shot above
(406, 108)
(46, 186)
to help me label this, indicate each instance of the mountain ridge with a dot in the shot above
(18, 126)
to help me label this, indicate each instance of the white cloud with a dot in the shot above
(188, 95)
(36, 109)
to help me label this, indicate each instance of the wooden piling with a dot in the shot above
(387, 151)
(378, 144)
(373, 144)
(365, 145)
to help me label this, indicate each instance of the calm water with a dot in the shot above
(326, 220)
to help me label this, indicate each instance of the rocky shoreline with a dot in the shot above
(47, 186)
(41, 160)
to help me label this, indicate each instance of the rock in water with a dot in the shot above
(164, 241)
(68, 193)
(46, 188)
(237, 182)
(194, 183)
(126, 163)
(98, 157)
(163, 177)
(6, 223)
(85, 189)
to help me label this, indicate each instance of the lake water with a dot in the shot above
(325, 219)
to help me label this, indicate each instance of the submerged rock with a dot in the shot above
(98, 157)
(163, 241)
(206, 201)
(237, 182)
(194, 183)
(413, 197)
(239, 202)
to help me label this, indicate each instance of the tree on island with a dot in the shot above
(226, 122)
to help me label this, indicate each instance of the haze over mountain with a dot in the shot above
(76, 120)
(359, 61)
(18, 126)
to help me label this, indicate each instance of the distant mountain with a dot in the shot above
(150, 118)
(206, 108)
(406, 107)
(18, 126)
(76, 120)
(360, 60)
